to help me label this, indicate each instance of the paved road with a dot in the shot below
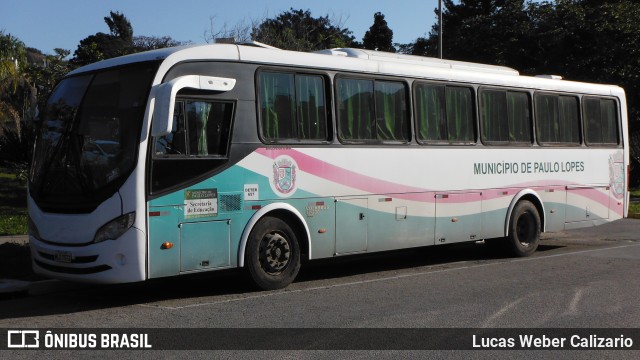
(587, 278)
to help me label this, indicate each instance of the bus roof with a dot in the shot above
(356, 60)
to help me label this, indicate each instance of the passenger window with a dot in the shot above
(444, 113)
(505, 117)
(600, 121)
(292, 107)
(371, 110)
(557, 119)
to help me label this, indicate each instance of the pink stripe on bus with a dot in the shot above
(373, 185)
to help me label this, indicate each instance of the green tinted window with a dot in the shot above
(444, 113)
(391, 111)
(557, 119)
(505, 116)
(372, 110)
(292, 107)
(600, 121)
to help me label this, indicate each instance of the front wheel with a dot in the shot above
(273, 255)
(524, 229)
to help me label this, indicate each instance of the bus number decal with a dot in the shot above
(251, 192)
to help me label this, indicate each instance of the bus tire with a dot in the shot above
(273, 254)
(524, 229)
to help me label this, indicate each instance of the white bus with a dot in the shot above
(211, 157)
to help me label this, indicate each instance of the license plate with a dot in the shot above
(63, 256)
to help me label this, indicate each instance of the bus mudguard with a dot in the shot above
(260, 214)
(529, 193)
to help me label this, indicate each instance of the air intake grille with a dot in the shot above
(231, 202)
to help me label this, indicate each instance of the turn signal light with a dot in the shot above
(166, 245)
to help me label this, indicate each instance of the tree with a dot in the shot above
(584, 40)
(119, 26)
(13, 84)
(102, 46)
(145, 43)
(13, 55)
(17, 105)
(241, 32)
(421, 46)
(486, 31)
(594, 41)
(298, 30)
(45, 71)
(379, 36)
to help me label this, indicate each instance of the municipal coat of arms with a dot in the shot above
(616, 174)
(284, 175)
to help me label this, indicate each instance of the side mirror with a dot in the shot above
(165, 97)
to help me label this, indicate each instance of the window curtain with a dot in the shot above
(459, 114)
(430, 112)
(311, 111)
(494, 112)
(197, 120)
(356, 108)
(391, 123)
(547, 113)
(568, 128)
(277, 105)
(609, 122)
(519, 117)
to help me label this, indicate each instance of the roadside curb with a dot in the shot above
(12, 287)
(45, 287)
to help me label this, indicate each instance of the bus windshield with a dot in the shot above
(88, 141)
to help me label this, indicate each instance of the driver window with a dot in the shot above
(200, 129)
(174, 143)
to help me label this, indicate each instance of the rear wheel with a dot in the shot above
(524, 229)
(272, 256)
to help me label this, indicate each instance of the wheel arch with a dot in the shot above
(532, 196)
(287, 213)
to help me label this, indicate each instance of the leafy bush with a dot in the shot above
(16, 149)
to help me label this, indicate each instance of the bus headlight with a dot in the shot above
(115, 228)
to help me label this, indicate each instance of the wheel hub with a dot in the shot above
(274, 253)
(525, 229)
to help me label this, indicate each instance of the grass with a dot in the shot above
(15, 260)
(634, 206)
(13, 205)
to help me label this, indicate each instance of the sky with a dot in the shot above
(50, 24)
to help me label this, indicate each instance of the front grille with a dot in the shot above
(76, 260)
(74, 271)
